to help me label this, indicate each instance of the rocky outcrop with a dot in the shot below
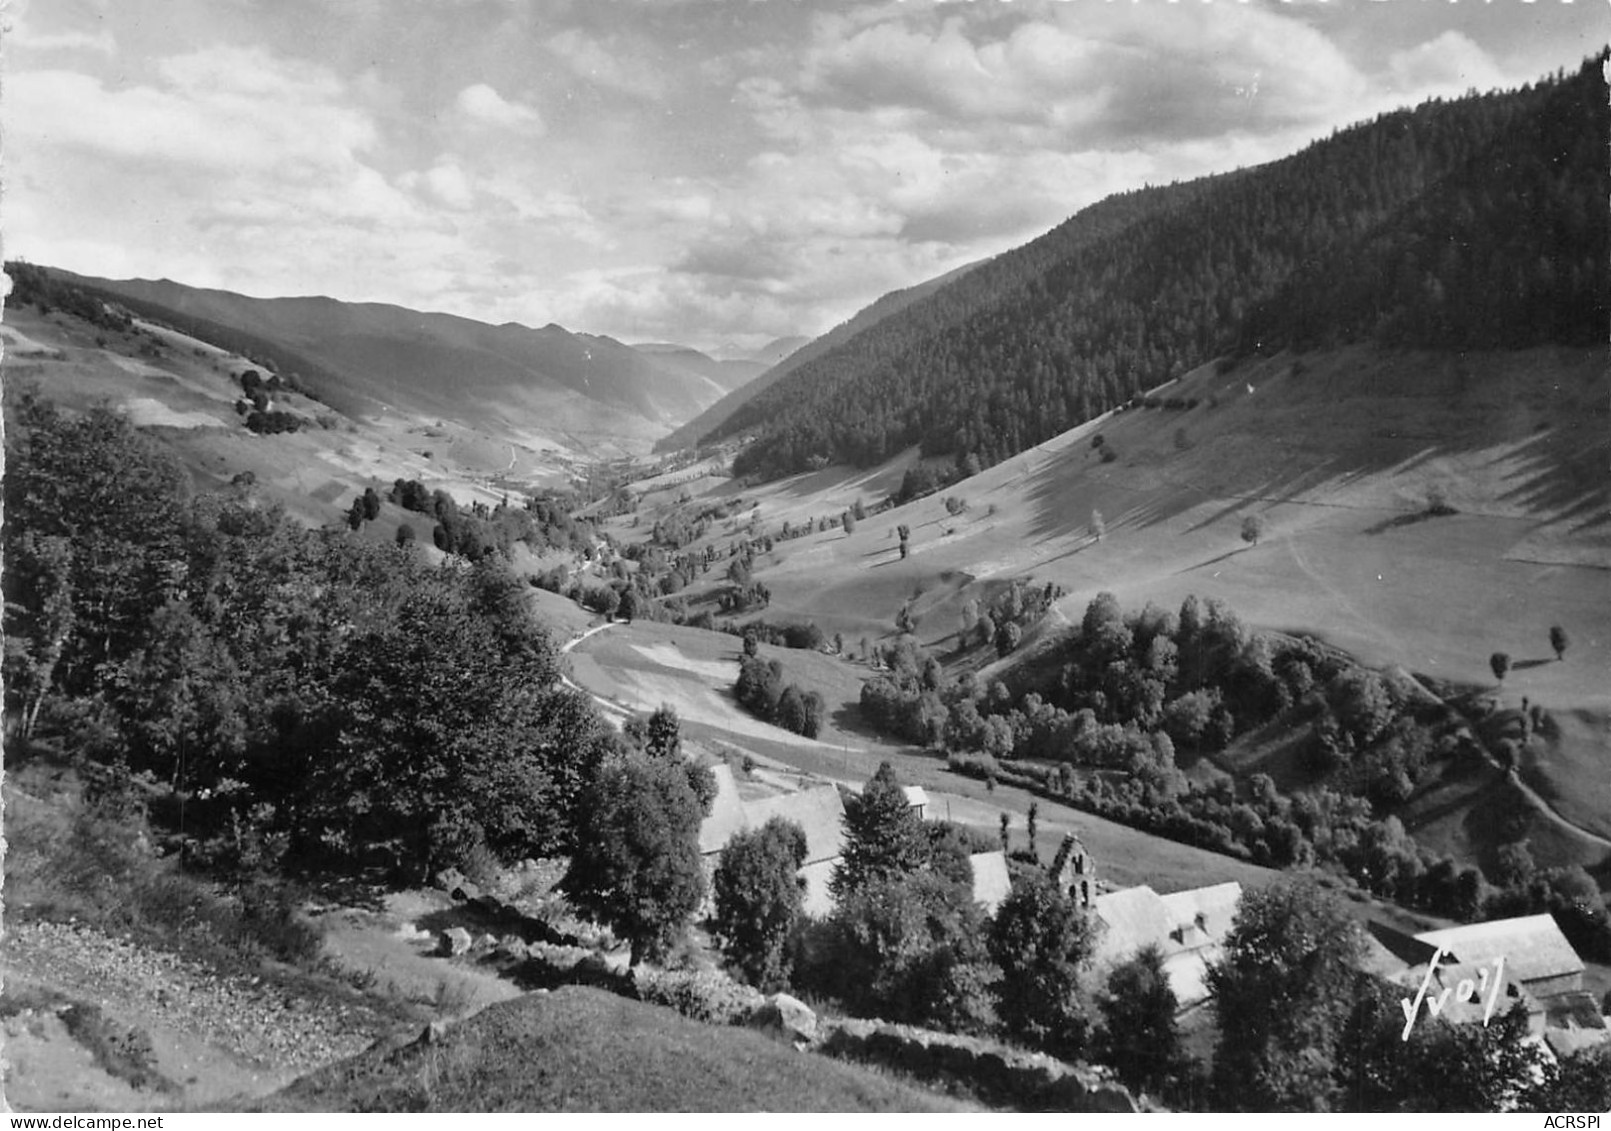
(787, 1018)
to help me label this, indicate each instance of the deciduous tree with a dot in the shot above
(1041, 940)
(636, 863)
(759, 895)
(1281, 995)
(1139, 1036)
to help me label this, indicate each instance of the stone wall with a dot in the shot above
(995, 1073)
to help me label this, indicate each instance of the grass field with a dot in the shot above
(582, 1049)
(634, 664)
(1574, 773)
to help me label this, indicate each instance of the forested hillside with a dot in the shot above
(714, 416)
(1479, 221)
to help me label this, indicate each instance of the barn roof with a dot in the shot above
(818, 811)
(1532, 946)
(1216, 905)
(1134, 918)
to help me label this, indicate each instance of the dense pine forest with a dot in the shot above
(1477, 222)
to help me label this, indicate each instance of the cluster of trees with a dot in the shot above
(1121, 696)
(1397, 229)
(1002, 621)
(273, 421)
(761, 691)
(289, 695)
(544, 522)
(798, 634)
(365, 508)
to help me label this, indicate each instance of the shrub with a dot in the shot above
(704, 995)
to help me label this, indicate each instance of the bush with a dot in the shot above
(705, 995)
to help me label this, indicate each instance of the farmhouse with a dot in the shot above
(1188, 927)
(817, 810)
(1540, 972)
(1535, 952)
(821, 813)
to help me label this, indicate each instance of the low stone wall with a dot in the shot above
(995, 1073)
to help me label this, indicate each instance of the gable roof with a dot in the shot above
(991, 881)
(818, 811)
(1134, 917)
(1532, 946)
(1215, 904)
(1407, 949)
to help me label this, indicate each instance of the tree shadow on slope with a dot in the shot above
(1558, 472)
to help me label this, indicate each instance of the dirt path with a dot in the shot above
(615, 714)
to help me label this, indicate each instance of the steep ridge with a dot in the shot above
(1138, 290)
(717, 414)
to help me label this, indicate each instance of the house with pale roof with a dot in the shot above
(1187, 927)
(1541, 973)
(818, 810)
(1535, 952)
(992, 883)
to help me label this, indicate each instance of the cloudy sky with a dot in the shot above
(713, 172)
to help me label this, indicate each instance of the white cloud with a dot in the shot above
(229, 110)
(444, 183)
(611, 62)
(1447, 66)
(484, 105)
(1097, 76)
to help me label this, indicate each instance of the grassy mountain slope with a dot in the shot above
(375, 357)
(185, 391)
(1337, 452)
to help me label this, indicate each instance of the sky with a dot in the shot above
(717, 173)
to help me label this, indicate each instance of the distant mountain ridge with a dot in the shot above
(1475, 222)
(366, 357)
